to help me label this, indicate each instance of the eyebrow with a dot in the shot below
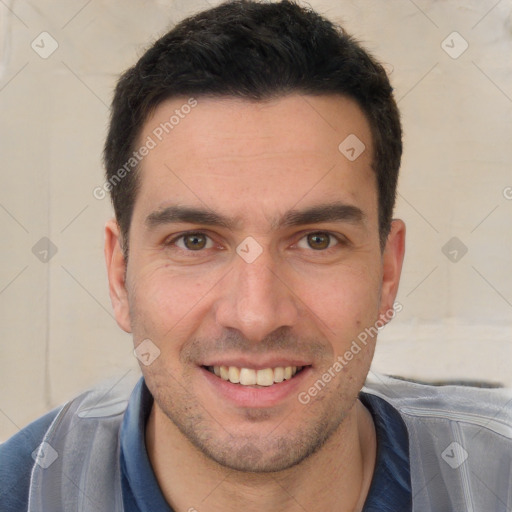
(173, 214)
(330, 212)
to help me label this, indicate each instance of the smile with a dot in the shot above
(252, 377)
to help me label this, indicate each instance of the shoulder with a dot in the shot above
(16, 462)
(77, 419)
(465, 404)
(460, 442)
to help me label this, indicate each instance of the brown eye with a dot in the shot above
(195, 241)
(319, 241)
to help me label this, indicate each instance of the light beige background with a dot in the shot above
(58, 335)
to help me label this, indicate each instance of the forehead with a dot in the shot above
(269, 156)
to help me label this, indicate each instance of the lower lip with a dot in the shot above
(247, 396)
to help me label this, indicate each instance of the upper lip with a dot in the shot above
(256, 363)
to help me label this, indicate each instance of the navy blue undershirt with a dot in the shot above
(390, 490)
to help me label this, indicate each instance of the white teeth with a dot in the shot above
(234, 374)
(247, 376)
(224, 372)
(250, 377)
(265, 377)
(279, 374)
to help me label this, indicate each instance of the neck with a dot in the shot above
(336, 477)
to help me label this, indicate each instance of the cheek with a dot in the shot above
(345, 298)
(165, 305)
(167, 309)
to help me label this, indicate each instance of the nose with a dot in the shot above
(256, 299)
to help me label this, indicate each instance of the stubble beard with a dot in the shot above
(272, 450)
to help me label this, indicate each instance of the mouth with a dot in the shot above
(254, 378)
(254, 385)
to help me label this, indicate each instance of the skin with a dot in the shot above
(253, 163)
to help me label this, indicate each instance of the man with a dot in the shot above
(252, 159)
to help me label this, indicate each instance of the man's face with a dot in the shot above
(254, 244)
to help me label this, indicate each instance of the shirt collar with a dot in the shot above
(390, 489)
(141, 492)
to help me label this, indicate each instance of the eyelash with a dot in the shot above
(331, 236)
(173, 241)
(340, 241)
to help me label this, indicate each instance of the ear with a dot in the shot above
(392, 259)
(116, 270)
